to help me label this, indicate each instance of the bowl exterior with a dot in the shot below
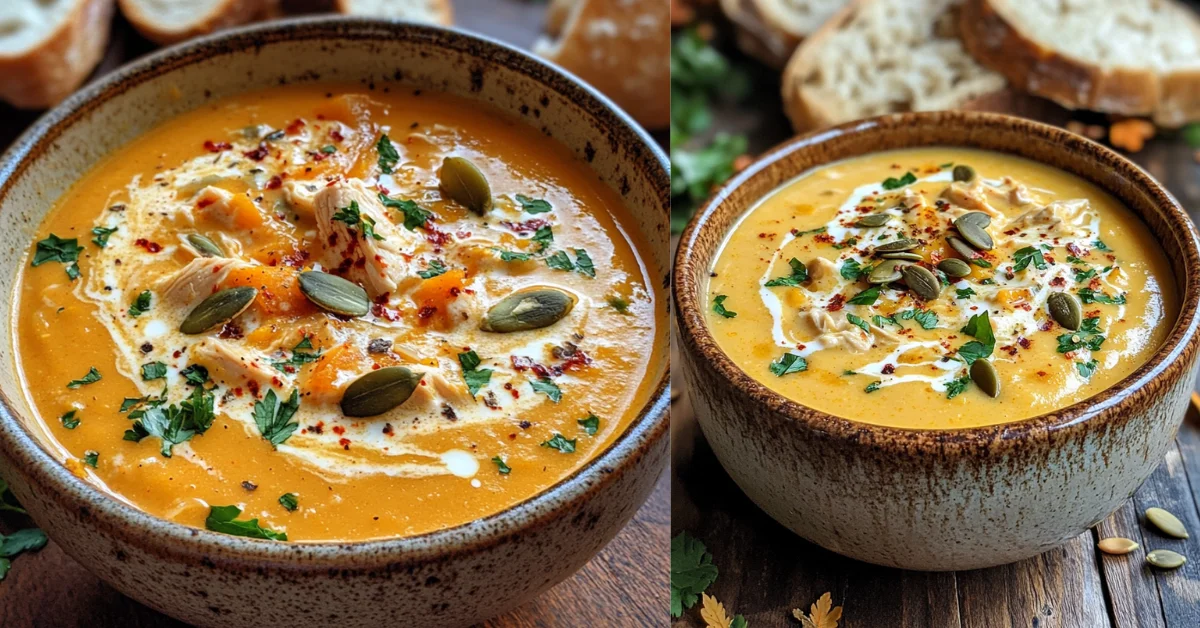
(951, 499)
(453, 577)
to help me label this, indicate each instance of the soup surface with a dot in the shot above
(1063, 293)
(362, 251)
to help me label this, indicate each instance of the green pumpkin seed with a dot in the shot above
(978, 218)
(1165, 559)
(1116, 545)
(904, 255)
(962, 248)
(921, 281)
(963, 173)
(219, 308)
(528, 309)
(885, 272)
(975, 235)
(1166, 522)
(1065, 309)
(204, 246)
(873, 220)
(465, 184)
(895, 246)
(984, 374)
(334, 294)
(954, 267)
(380, 391)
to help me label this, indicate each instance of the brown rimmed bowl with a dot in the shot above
(938, 499)
(452, 577)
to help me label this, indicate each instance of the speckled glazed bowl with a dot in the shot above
(448, 578)
(947, 499)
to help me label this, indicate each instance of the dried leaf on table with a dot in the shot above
(822, 614)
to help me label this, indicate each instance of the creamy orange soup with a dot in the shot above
(860, 289)
(324, 313)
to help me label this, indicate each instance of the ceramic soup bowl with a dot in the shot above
(939, 499)
(452, 577)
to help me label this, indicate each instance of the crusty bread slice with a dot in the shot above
(797, 18)
(171, 21)
(754, 37)
(624, 50)
(557, 14)
(48, 48)
(1134, 57)
(432, 11)
(883, 56)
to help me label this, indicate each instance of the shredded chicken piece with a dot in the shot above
(300, 196)
(1018, 193)
(836, 333)
(196, 281)
(822, 274)
(230, 363)
(912, 199)
(971, 196)
(381, 266)
(1060, 219)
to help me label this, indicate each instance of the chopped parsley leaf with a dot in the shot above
(474, 376)
(1075, 260)
(851, 270)
(956, 387)
(892, 183)
(140, 305)
(858, 322)
(289, 502)
(811, 231)
(1100, 245)
(1089, 336)
(355, 219)
(719, 306)
(194, 375)
(501, 467)
(302, 354)
(102, 233)
(533, 205)
(925, 318)
(153, 370)
(619, 304)
(514, 256)
(799, 274)
(69, 420)
(273, 417)
(175, 424)
(92, 377)
(590, 424)
(388, 157)
(56, 249)
(1083, 275)
(866, 297)
(692, 571)
(978, 326)
(565, 445)
(559, 260)
(436, 267)
(91, 458)
(414, 216)
(1089, 296)
(544, 236)
(980, 262)
(329, 149)
(546, 387)
(224, 519)
(1023, 257)
(1086, 368)
(964, 293)
(872, 387)
(880, 321)
(583, 263)
(789, 363)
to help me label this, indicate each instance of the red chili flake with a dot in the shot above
(888, 369)
(767, 236)
(436, 236)
(1041, 373)
(231, 330)
(387, 429)
(516, 394)
(259, 153)
(1092, 314)
(274, 183)
(426, 312)
(205, 202)
(1009, 349)
(836, 303)
(339, 430)
(276, 382)
(253, 386)
(824, 238)
(522, 363)
(336, 135)
(1024, 342)
(216, 147)
(296, 259)
(295, 126)
(177, 354)
(1074, 250)
(1046, 325)
(319, 428)
(385, 313)
(345, 443)
(237, 392)
(1094, 284)
(529, 226)
(576, 361)
(1058, 282)
(152, 247)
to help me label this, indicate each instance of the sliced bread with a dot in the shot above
(771, 46)
(171, 21)
(1134, 57)
(432, 11)
(48, 48)
(624, 50)
(883, 56)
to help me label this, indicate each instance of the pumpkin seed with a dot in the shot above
(963, 173)
(334, 294)
(528, 309)
(978, 218)
(962, 248)
(219, 308)
(975, 235)
(1116, 545)
(1168, 523)
(984, 374)
(380, 391)
(1165, 559)
(885, 272)
(921, 281)
(204, 246)
(954, 267)
(465, 184)
(895, 246)
(904, 255)
(1065, 309)
(873, 220)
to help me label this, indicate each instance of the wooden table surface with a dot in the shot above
(765, 570)
(626, 584)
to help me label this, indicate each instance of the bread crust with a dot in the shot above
(755, 37)
(222, 15)
(443, 11)
(1172, 99)
(45, 74)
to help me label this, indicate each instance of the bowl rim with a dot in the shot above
(1118, 400)
(167, 538)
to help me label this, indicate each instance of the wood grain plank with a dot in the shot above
(1132, 593)
(1179, 589)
